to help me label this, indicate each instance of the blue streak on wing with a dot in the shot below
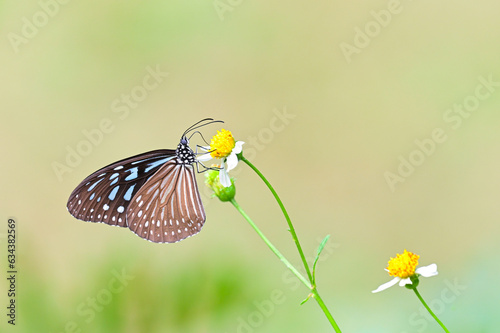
(112, 195)
(94, 185)
(133, 174)
(128, 194)
(157, 163)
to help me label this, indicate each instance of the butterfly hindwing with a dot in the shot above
(105, 195)
(169, 208)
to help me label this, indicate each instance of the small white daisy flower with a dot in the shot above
(223, 146)
(404, 270)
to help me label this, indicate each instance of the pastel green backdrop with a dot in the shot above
(338, 103)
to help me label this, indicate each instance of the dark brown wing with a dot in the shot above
(104, 196)
(168, 207)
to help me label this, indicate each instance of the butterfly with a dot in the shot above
(154, 194)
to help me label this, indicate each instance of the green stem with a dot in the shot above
(271, 246)
(322, 305)
(314, 291)
(283, 209)
(430, 311)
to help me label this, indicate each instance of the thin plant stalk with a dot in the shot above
(285, 213)
(270, 245)
(311, 285)
(430, 311)
(313, 289)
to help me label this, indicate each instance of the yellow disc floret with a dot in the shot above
(403, 265)
(222, 144)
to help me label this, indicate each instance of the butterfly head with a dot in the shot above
(185, 154)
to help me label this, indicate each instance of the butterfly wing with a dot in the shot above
(168, 208)
(105, 195)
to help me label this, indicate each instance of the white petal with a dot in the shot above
(205, 148)
(238, 147)
(205, 157)
(404, 282)
(387, 285)
(427, 271)
(232, 161)
(224, 178)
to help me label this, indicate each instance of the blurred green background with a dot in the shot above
(333, 99)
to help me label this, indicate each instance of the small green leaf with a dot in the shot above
(308, 296)
(320, 248)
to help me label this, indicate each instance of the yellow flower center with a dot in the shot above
(403, 265)
(222, 144)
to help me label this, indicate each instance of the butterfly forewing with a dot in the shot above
(105, 195)
(169, 208)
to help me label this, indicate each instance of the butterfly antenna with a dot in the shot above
(197, 125)
(202, 137)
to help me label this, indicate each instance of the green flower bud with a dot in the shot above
(223, 193)
(414, 282)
